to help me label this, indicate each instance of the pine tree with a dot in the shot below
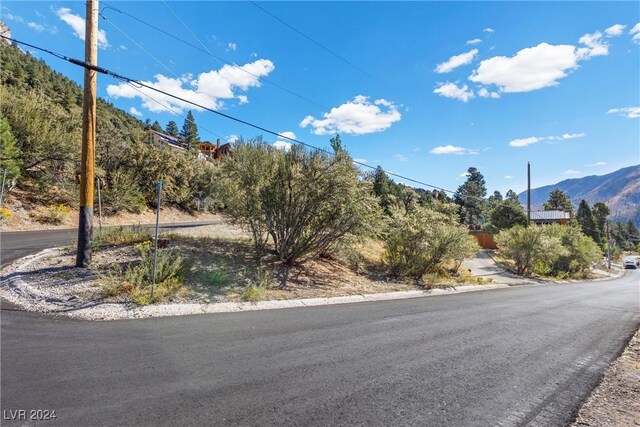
(633, 235)
(9, 151)
(584, 216)
(382, 188)
(470, 196)
(189, 132)
(558, 201)
(156, 126)
(600, 212)
(172, 128)
(336, 144)
(512, 197)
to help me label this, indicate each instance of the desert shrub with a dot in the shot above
(56, 214)
(122, 235)
(253, 293)
(170, 265)
(422, 240)
(217, 278)
(305, 202)
(548, 249)
(5, 216)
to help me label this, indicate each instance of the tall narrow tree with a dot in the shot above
(585, 219)
(172, 128)
(470, 197)
(189, 132)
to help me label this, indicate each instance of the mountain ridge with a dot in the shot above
(620, 190)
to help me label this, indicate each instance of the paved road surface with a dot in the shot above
(484, 266)
(507, 357)
(16, 244)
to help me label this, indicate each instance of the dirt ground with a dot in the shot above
(27, 217)
(616, 401)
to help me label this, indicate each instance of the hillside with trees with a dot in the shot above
(40, 118)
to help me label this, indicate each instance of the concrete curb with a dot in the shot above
(17, 291)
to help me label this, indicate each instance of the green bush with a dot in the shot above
(217, 278)
(56, 214)
(305, 202)
(253, 293)
(556, 250)
(422, 240)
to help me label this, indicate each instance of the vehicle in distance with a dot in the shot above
(631, 262)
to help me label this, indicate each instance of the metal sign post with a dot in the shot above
(99, 206)
(4, 177)
(155, 246)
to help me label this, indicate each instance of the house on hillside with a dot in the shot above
(550, 217)
(217, 151)
(161, 140)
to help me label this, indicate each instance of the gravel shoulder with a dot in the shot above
(616, 400)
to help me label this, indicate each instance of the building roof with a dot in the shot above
(168, 138)
(549, 215)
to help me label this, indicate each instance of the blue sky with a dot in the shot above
(427, 89)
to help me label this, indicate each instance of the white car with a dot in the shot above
(631, 262)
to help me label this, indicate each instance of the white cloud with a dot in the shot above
(456, 61)
(400, 158)
(360, 160)
(77, 24)
(283, 144)
(359, 116)
(463, 175)
(451, 90)
(523, 142)
(232, 46)
(629, 112)
(595, 46)
(485, 93)
(529, 69)
(208, 89)
(11, 17)
(474, 41)
(122, 47)
(254, 55)
(615, 30)
(573, 135)
(135, 112)
(243, 99)
(596, 164)
(451, 149)
(571, 172)
(232, 138)
(35, 26)
(636, 33)
(489, 30)
(508, 177)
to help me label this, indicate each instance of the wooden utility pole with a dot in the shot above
(528, 193)
(85, 226)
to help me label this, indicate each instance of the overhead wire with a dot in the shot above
(317, 43)
(235, 119)
(206, 51)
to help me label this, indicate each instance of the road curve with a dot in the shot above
(507, 357)
(16, 244)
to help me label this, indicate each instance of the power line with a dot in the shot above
(206, 51)
(317, 43)
(235, 119)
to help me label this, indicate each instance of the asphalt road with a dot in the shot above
(16, 244)
(507, 357)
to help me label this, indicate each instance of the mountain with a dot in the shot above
(620, 190)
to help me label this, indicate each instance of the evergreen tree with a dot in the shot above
(336, 144)
(470, 196)
(584, 216)
(507, 214)
(633, 235)
(512, 197)
(9, 151)
(172, 128)
(147, 123)
(619, 233)
(156, 126)
(600, 212)
(189, 132)
(382, 187)
(558, 201)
